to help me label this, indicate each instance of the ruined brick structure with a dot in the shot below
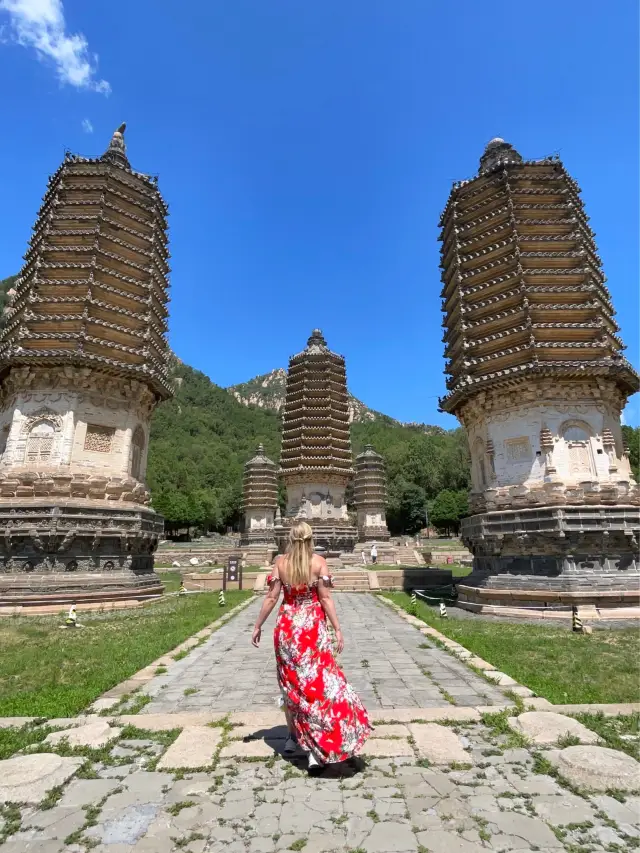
(537, 377)
(316, 463)
(83, 363)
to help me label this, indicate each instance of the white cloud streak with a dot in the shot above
(40, 24)
(87, 126)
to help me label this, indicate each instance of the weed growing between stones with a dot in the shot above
(176, 808)
(52, 799)
(183, 842)
(373, 814)
(190, 691)
(14, 740)
(622, 733)
(567, 740)
(161, 670)
(10, 820)
(299, 844)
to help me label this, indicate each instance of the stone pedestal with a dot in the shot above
(554, 555)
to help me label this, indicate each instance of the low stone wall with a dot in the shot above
(413, 577)
(213, 582)
(601, 604)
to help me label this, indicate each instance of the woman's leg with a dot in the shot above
(287, 713)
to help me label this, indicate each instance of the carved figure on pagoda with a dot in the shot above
(537, 377)
(83, 363)
(316, 461)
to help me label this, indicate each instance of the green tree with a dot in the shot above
(445, 511)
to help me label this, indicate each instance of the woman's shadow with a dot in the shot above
(275, 738)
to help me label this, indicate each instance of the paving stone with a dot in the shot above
(564, 809)
(194, 747)
(381, 747)
(440, 841)
(84, 792)
(126, 827)
(28, 778)
(389, 836)
(438, 744)
(529, 829)
(167, 722)
(628, 812)
(95, 734)
(544, 728)
(599, 768)
(393, 730)
(247, 749)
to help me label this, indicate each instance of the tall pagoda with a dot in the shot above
(260, 499)
(370, 492)
(537, 377)
(83, 363)
(316, 463)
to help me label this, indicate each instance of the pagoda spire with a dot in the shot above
(116, 153)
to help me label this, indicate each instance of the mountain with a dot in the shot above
(268, 392)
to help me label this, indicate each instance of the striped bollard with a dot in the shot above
(576, 621)
(443, 610)
(414, 599)
(221, 601)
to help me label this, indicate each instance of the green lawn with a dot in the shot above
(555, 663)
(49, 672)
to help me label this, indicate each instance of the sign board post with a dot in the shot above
(232, 572)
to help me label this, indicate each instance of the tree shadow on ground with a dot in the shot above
(275, 738)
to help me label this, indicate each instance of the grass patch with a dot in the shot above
(563, 667)
(52, 673)
(15, 740)
(622, 733)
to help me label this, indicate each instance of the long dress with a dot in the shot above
(328, 716)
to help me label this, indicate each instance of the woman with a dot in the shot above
(324, 714)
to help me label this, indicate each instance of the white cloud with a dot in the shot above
(87, 126)
(40, 24)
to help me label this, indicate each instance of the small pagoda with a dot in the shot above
(370, 491)
(316, 463)
(537, 377)
(260, 500)
(83, 363)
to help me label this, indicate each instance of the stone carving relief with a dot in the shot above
(137, 453)
(517, 449)
(99, 439)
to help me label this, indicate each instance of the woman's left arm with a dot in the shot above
(270, 601)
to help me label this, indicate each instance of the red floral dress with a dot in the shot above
(327, 714)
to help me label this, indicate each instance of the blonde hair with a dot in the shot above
(300, 553)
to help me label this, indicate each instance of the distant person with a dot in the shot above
(325, 716)
(374, 553)
(364, 559)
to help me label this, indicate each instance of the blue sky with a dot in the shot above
(306, 150)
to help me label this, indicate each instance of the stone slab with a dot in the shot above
(458, 714)
(438, 744)
(544, 728)
(447, 842)
(166, 722)
(28, 778)
(194, 747)
(247, 749)
(388, 748)
(391, 730)
(599, 768)
(500, 678)
(94, 735)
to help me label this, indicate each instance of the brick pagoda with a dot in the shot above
(83, 363)
(316, 462)
(370, 491)
(537, 377)
(260, 499)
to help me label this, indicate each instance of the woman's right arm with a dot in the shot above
(324, 596)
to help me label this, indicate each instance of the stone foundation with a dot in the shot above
(74, 551)
(588, 551)
(331, 538)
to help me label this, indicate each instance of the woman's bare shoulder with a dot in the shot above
(318, 565)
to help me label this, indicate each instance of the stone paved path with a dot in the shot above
(438, 778)
(247, 799)
(388, 662)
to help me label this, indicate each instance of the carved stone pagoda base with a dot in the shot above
(374, 534)
(259, 538)
(77, 551)
(553, 556)
(331, 538)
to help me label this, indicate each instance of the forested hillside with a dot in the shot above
(201, 439)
